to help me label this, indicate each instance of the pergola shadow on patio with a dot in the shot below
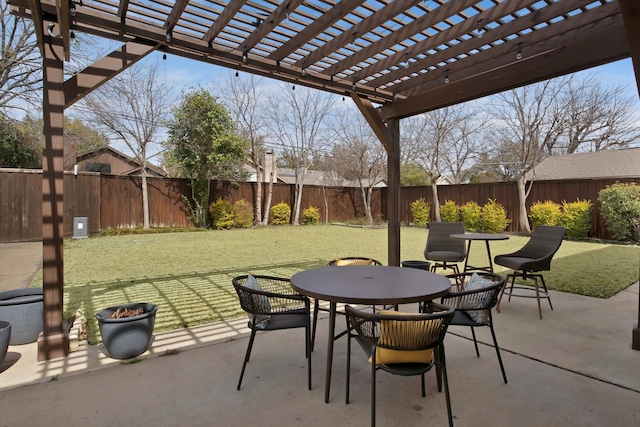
(575, 368)
(394, 59)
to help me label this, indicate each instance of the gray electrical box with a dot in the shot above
(80, 227)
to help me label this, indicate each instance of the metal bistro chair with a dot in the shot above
(337, 263)
(272, 304)
(527, 262)
(401, 344)
(474, 303)
(444, 251)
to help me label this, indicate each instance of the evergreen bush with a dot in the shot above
(280, 214)
(242, 214)
(221, 214)
(494, 217)
(471, 216)
(576, 217)
(311, 216)
(620, 207)
(449, 212)
(420, 211)
(545, 213)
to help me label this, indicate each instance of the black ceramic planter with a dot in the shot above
(127, 337)
(23, 309)
(5, 335)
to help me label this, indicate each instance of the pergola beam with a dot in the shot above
(607, 45)
(269, 23)
(227, 15)
(95, 75)
(316, 27)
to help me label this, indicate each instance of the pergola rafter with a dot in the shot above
(394, 58)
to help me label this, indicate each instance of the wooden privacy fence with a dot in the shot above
(116, 201)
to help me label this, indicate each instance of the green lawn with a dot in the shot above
(189, 274)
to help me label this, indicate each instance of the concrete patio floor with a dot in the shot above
(573, 368)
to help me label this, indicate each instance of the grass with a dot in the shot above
(189, 274)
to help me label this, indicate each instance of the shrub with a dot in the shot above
(420, 211)
(471, 216)
(280, 214)
(221, 214)
(311, 216)
(242, 214)
(576, 217)
(620, 207)
(494, 217)
(545, 213)
(449, 212)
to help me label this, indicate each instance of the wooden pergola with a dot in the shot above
(394, 58)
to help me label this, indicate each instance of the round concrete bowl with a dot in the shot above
(127, 337)
(23, 309)
(5, 335)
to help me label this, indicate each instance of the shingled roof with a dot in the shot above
(599, 164)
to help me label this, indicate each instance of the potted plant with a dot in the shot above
(23, 309)
(127, 329)
(5, 335)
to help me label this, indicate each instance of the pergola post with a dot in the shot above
(631, 16)
(389, 134)
(54, 340)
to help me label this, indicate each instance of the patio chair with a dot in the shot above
(444, 251)
(271, 304)
(353, 260)
(401, 344)
(474, 303)
(527, 262)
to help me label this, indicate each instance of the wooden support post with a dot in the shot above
(54, 340)
(631, 16)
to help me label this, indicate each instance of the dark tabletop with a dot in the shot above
(370, 284)
(479, 236)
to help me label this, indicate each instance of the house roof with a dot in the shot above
(134, 163)
(599, 164)
(313, 177)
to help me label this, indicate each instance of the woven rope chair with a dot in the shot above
(275, 306)
(473, 304)
(404, 344)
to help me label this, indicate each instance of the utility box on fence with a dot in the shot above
(80, 227)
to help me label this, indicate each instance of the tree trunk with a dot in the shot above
(522, 201)
(145, 197)
(298, 202)
(367, 202)
(436, 202)
(267, 204)
(258, 203)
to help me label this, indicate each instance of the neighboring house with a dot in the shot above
(445, 180)
(599, 164)
(312, 177)
(108, 160)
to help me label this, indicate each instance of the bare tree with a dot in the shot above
(528, 120)
(596, 117)
(432, 139)
(20, 64)
(133, 108)
(359, 155)
(298, 121)
(244, 97)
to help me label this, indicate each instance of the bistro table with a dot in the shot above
(479, 236)
(384, 285)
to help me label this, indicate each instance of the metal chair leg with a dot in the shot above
(315, 323)
(246, 357)
(475, 342)
(495, 344)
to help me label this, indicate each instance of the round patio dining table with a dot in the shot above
(487, 237)
(376, 285)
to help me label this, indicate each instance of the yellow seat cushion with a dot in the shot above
(343, 262)
(386, 356)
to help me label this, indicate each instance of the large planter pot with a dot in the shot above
(5, 335)
(23, 309)
(127, 337)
